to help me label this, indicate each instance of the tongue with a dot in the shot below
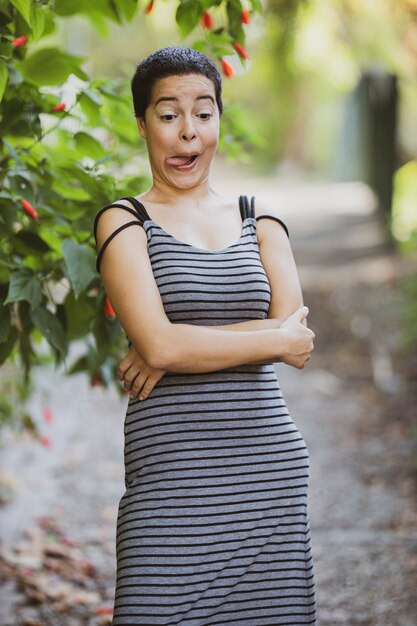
(178, 160)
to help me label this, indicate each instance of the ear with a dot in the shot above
(141, 126)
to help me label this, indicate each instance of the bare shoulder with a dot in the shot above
(269, 228)
(115, 217)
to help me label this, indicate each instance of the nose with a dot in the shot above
(188, 131)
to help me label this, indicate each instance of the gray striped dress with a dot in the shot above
(213, 526)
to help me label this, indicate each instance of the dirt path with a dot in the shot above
(354, 412)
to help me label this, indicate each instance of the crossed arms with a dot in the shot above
(159, 346)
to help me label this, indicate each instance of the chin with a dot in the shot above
(187, 184)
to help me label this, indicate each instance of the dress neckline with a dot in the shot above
(189, 245)
(205, 250)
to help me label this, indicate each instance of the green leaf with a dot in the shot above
(220, 42)
(105, 334)
(70, 7)
(90, 106)
(21, 184)
(88, 145)
(234, 11)
(70, 191)
(50, 327)
(4, 323)
(257, 6)
(7, 346)
(80, 365)
(79, 314)
(97, 11)
(199, 44)
(127, 8)
(24, 285)
(51, 66)
(4, 73)
(92, 95)
(188, 16)
(38, 20)
(24, 8)
(80, 264)
(26, 242)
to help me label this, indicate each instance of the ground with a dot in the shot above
(353, 404)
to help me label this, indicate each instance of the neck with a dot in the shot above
(162, 193)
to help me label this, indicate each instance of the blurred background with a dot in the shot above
(320, 125)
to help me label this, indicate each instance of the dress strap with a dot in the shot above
(272, 217)
(246, 209)
(140, 209)
(139, 212)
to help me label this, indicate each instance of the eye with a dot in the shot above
(168, 117)
(205, 116)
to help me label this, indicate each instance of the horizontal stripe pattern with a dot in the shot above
(213, 526)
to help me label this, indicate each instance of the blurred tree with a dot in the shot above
(310, 59)
(66, 140)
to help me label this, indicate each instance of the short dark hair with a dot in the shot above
(171, 61)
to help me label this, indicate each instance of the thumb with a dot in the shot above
(303, 312)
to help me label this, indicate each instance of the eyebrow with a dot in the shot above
(173, 99)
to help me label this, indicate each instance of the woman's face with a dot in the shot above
(181, 129)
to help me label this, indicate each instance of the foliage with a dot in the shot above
(64, 136)
(310, 58)
(404, 217)
(404, 228)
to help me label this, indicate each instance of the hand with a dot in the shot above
(138, 376)
(299, 339)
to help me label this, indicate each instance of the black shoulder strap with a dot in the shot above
(110, 206)
(246, 209)
(139, 212)
(272, 217)
(140, 209)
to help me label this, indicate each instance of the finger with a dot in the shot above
(137, 385)
(130, 377)
(127, 385)
(148, 386)
(124, 366)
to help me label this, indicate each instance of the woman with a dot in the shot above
(213, 526)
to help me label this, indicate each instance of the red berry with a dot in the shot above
(108, 309)
(48, 415)
(240, 50)
(104, 610)
(59, 107)
(29, 209)
(20, 41)
(206, 20)
(245, 16)
(45, 441)
(227, 68)
(97, 380)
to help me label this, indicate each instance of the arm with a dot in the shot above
(139, 378)
(279, 264)
(130, 285)
(248, 325)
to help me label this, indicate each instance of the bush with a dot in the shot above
(59, 163)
